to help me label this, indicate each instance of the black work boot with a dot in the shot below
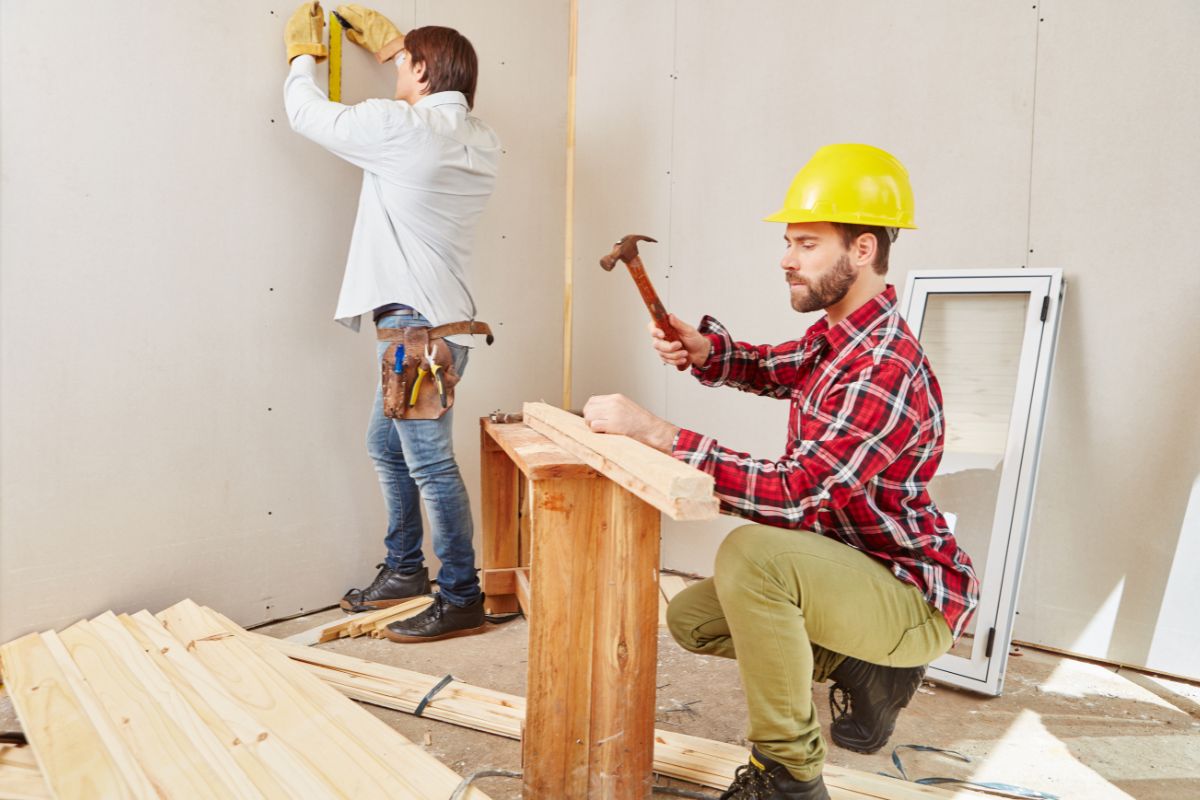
(871, 697)
(442, 620)
(389, 588)
(766, 779)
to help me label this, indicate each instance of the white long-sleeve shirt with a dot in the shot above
(428, 170)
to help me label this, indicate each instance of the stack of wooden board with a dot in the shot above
(188, 705)
(365, 623)
(690, 758)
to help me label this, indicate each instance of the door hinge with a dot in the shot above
(1045, 307)
(991, 640)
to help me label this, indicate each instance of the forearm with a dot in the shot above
(749, 368)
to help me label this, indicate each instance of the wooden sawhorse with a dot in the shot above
(579, 554)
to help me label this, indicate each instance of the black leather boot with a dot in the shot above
(389, 588)
(442, 620)
(766, 779)
(871, 697)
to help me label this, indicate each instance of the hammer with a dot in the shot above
(626, 250)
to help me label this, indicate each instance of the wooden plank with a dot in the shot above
(567, 516)
(20, 776)
(371, 744)
(380, 619)
(624, 577)
(176, 750)
(524, 591)
(499, 581)
(359, 624)
(401, 689)
(680, 491)
(534, 455)
(286, 705)
(312, 635)
(499, 479)
(676, 755)
(277, 771)
(78, 756)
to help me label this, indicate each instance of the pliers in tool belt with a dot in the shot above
(421, 373)
(436, 369)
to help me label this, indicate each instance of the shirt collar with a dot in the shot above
(444, 99)
(861, 320)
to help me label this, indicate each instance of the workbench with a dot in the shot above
(578, 553)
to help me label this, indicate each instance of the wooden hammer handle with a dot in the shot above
(657, 312)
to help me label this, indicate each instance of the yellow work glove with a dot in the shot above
(372, 30)
(303, 32)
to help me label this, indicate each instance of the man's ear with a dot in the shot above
(863, 249)
(419, 72)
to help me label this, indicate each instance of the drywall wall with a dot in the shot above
(180, 414)
(1054, 127)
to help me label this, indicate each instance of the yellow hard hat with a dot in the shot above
(853, 183)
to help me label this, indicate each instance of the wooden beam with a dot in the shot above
(535, 455)
(680, 491)
(524, 591)
(365, 623)
(676, 755)
(499, 480)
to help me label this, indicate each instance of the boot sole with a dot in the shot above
(400, 637)
(376, 605)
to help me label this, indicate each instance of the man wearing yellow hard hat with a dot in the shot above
(852, 573)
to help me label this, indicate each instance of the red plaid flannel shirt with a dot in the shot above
(865, 436)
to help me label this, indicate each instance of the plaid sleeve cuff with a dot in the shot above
(693, 448)
(715, 370)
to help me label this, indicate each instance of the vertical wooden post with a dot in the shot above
(498, 506)
(589, 723)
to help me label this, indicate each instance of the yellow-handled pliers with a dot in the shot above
(436, 370)
(421, 373)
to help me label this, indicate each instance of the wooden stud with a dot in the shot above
(498, 497)
(624, 577)
(590, 717)
(680, 491)
(556, 744)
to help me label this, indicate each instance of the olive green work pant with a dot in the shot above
(790, 606)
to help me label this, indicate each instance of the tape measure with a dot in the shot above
(335, 57)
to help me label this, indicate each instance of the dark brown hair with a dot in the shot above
(449, 59)
(883, 242)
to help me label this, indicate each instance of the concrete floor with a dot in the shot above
(1071, 728)
(1068, 727)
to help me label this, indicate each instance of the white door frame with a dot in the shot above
(984, 670)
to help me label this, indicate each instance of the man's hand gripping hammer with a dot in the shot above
(627, 250)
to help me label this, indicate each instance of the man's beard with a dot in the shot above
(827, 288)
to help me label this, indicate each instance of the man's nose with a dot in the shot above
(789, 262)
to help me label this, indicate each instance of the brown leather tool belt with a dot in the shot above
(417, 389)
(441, 331)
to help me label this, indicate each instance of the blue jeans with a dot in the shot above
(415, 459)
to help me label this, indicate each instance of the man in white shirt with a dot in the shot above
(428, 170)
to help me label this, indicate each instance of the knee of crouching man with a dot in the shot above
(735, 554)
